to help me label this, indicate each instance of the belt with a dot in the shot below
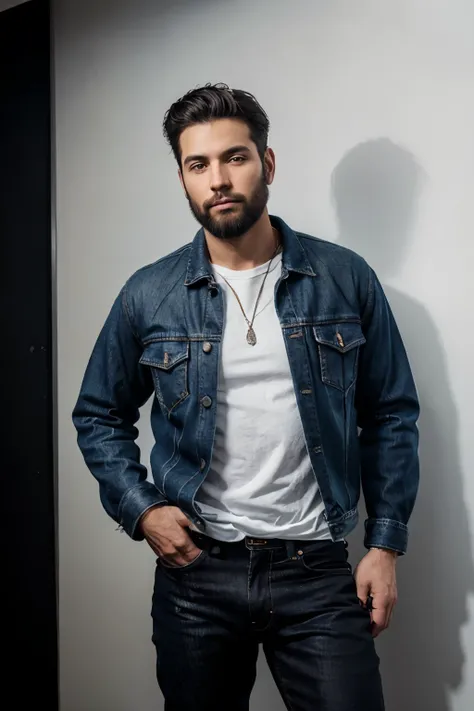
(214, 546)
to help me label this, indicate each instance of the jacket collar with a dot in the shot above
(294, 258)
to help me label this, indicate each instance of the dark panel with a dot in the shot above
(29, 669)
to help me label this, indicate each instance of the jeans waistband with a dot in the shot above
(252, 543)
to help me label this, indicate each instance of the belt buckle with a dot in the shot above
(257, 541)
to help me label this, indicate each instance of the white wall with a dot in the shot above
(372, 109)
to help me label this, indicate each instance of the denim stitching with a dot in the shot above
(282, 684)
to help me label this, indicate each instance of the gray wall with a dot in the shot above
(7, 4)
(372, 109)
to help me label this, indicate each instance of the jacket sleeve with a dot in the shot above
(114, 387)
(388, 410)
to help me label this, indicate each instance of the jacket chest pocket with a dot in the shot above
(338, 347)
(168, 362)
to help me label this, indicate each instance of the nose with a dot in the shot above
(219, 178)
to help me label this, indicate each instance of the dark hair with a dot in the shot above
(214, 102)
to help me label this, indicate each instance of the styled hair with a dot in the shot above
(212, 102)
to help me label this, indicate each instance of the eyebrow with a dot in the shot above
(225, 154)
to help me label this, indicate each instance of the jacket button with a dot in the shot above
(207, 347)
(202, 465)
(206, 401)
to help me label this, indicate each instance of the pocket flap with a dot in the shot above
(341, 336)
(165, 354)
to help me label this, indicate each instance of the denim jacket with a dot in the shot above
(354, 387)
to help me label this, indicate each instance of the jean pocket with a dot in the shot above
(329, 558)
(168, 362)
(184, 568)
(338, 347)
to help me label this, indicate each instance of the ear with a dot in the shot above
(181, 179)
(269, 166)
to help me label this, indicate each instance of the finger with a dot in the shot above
(179, 561)
(173, 558)
(380, 617)
(191, 553)
(363, 590)
(391, 604)
(186, 547)
(390, 612)
(174, 562)
(183, 552)
(183, 520)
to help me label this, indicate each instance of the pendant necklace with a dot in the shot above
(251, 335)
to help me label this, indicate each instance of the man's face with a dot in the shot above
(220, 164)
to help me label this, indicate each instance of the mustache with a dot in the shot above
(218, 198)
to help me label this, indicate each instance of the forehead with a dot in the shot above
(214, 137)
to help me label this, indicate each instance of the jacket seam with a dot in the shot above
(370, 298)
(388, 522)
(128, 315)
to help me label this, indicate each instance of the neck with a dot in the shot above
(250, 250)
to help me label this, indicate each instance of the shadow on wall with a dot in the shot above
(375, 190)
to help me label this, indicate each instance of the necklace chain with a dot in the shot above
(251, 335)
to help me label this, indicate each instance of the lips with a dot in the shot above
(223, 203)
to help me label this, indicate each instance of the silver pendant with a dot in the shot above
(251, 337)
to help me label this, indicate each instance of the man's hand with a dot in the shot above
(165, 531)
(375, 576)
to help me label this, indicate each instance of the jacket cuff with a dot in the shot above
(385, 533)
(134, 503)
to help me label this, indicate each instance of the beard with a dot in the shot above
(236, 220)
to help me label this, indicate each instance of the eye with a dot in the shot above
(197, 167)
(237, 159)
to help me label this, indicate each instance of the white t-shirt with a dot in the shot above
(260, 482)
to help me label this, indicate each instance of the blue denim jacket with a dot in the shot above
(353, 384)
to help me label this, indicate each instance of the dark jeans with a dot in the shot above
(298, 600)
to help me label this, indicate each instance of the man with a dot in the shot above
(280, 383)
